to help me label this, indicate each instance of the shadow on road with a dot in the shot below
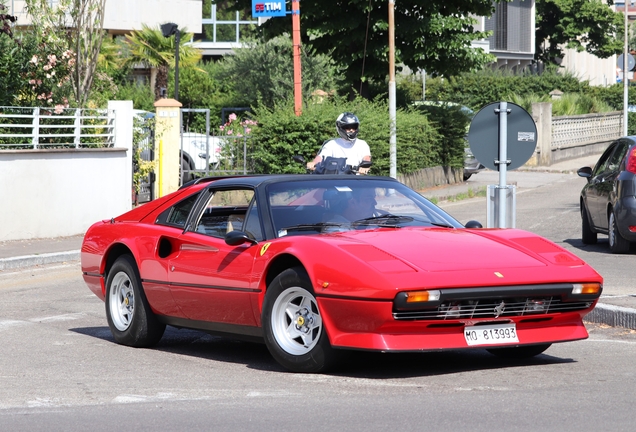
(602, 247)
(358, 364)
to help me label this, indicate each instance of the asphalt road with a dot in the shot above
(61, 371)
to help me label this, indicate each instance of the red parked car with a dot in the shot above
(318, 265)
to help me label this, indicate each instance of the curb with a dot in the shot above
(615, 316)
(34, 260)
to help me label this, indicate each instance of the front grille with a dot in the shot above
(492, 308)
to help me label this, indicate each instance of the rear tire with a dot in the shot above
(520, 352)
(618, 245)
(587, 235)
(129, 316)
(292, 324)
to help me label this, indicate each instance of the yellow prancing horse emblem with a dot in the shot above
(264, 248)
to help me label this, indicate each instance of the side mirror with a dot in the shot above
(473, 224)
(299, 159)
(585, 172)
(365, 164)
(236, 238)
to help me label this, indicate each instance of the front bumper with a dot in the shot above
(371, 325)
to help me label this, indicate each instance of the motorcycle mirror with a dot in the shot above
(298, 158)
(365, 164)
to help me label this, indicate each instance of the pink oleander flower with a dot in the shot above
(232, 117)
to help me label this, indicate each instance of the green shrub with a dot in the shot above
(280, 135)
(567, 105)
(476, 90)
(142, 95)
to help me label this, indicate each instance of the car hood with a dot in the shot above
(443, 249)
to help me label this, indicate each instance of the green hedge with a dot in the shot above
(280, 135)
(476, 90)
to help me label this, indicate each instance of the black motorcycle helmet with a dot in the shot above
(347, 120)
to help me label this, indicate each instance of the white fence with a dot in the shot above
(574, 131)
(42, 128)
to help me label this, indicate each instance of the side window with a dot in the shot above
(224, 212)
(617, 157)
(252, 225)
(177, 215)
(601, 165)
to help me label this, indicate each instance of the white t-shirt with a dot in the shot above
(353, 151)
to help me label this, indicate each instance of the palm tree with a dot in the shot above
(149, 47)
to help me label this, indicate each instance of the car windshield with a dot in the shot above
(327, 205)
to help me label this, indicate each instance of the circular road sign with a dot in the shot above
(631, 62)
(483, 136)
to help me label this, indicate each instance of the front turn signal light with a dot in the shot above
(422, 296)
(587, 288)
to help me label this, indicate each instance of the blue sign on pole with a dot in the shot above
(262, 8)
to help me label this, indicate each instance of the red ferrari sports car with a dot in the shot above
(318, 265)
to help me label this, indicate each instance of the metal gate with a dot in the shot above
(143, 154)
(206, 152)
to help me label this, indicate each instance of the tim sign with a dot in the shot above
(262, 8)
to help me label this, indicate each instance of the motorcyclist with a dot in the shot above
(348, 145)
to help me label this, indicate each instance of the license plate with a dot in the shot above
(491, 334)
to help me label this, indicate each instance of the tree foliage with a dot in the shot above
(263, 73)
(71, 28)
(583, 25)
(433, 35)
(149, 47)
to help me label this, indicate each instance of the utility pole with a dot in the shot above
(625, 72)
(298, 88)
(392, 102)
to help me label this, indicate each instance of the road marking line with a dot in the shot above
(65, 317)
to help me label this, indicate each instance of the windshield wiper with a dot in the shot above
(387, 220)
(441, 224)
(307, 227)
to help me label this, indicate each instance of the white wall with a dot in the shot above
(122, 16)
(126, 15)
(585, 66)
(57, 193)
(54, 193)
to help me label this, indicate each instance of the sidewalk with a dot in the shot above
(614, 311)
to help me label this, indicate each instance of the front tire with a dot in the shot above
(618, 245)
(518, 353)
(587, 235)
(292, 324)
(129, 316)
